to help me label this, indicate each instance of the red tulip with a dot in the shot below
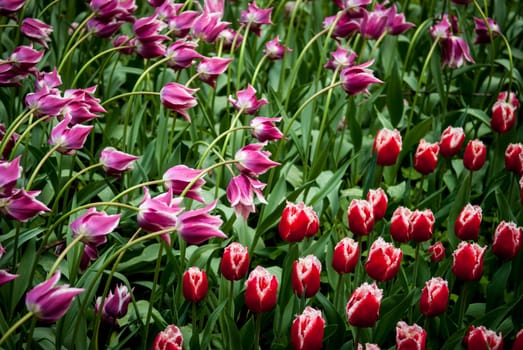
(410, 337)
(521, 190)
(482, 338)
(169, 339)
(475, 155)
(451, 141)
(235, 262)
(468, 261)
(297, 222)
(426, 157)
(421, 225)
(261, 290)
(507, 240)
(400, 224)
(361, 217)
(378, 200)
(468, 222)
(307, 330)
(363, 307)
(518, 342)
(195, 284)
(503, 116)
(514, 158)
(387, 145)
(384, 261)
(437, 252)
(306, 276)
(346, 255)
(434, 297)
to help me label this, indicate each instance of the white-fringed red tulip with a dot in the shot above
(437, 252)
(400, 226)
(169, 339)
(297, 222)
(195, 284)
(306, 276)
(235, 262)
(387, 146)
(378, 200)
(95, 226)
(482, 338)
(179, 177)
(384, 260)
(475, 155)
(451, 141)
(468, 261)
(426, 157)
(468, 222)
(503, 116)
(361, 217)
(409, 337)
(514, 158)
(507, 240)
(307, 330)
(434, 297)
(363, 308)
(518, 341)
(346, 255)
(261, 290)
(421, 225)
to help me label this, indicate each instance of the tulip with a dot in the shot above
(400, 229)
(387, 146)
(102, 28)
(235, 262)
(297, 222)
(485, 30)
(468, 261)
(510, 97)
(252, 160)
(197, 226)
(341, 58)
(518, 341)
(247, 101)
(410, 337)
(148, 38)
(115, 162)
(468, 223)
(396, 22)
(369, 346)
(255, 17)
(169, 339)
(274, 50)
(124, 40)
(454, 52)
(49, 303)
(10, 172)
(421, 225)
(344, 25)
(345, 256)
(207, 26)
(211, 67)
(9, 144)
(437, 252)
(514, 158)
(434, 297)
(6, 277)
(46, 102)
(11, 6)
(306, 276)
(24, 58)
(36, 30)
(378, 200)
(503, 116)
(451, 141)
(178, 177)
(384, 261)
(475, 155)
(89, 254)
(69, 139)
(361, 217)
(83, 106)
(356, 79)
(363, 307)
(426, 157)
(482, 338)
(230, 37)
(195, 284)
(521, 190)
(95, 226)
(307, 330)
(507, 240)
(182, 54)
(178, 98)
(240, 193)
(374, 23)
(263, 129)
(261, 290)
(115, 305)
(22, 205)
(180, 24)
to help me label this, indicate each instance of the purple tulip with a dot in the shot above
(482, 30)
(211, 67)
(240, 193)
(102, 28)
(208, 26)
(148, 37)
(36, 30)
(178, 98)
(197, 226)
(10, 172)
(114, 9)
(343, 27)
(454, 52)
(115, 162)
(274, 50)
(8, 7)
(374, 23)
(10, 143)
(396, 24)
(246, 101)
(442, 29)
(178, 177)
(83, 105)
(6, 277)
(230, 37)
(182, 54)
(46, 102)
(356, 79)
(49, 303)
(167, 10)
(22, 205)
(50, 80)
(255, 17)
(252, 160)
(95, 226)
(341, 58)
(263, 129)
(115, 304)
(69, 139)
(181, 24)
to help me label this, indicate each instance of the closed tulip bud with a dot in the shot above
(507, 240)
(95, 226)
(482, 338)
(361, 217)
(261, 290)
(345, 256)
(468, 261)
(178, 98)
(10, 172)
(306, 276)
(297, 222)
(475, 155)
(426, 157)
(363, 308)
(6, 277)
(451, 141)
(503, 116)
(514, 158)
(384, 261)
(357, 78)
(437, 252)
(410, 337)
(387, 146)
(37, 31)
(263, 129)
(400, 229)
(115, 163)
(235, 262)
(434, 297)
(378, 200)
(518, 341)
(422, 225)
(195, 284)
(169, 339)
(252, 160)
(115, 305)
(468, 223)
(307, 330)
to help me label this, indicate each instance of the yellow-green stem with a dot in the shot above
(14, 327)
(257, 70)
(24, 134)
(64, 253)
(11, 130)
(39, 166)
(71, 50)
(215, 141)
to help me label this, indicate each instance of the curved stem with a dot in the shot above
(126, 94)
(14, 327)
(39, 166)
(215, 141)
(242, 54)
(24, 134)
(258, 67)
(11, 130)
(204, 172)
(153, 290)
(51, 4)
(191, 79)
(71, 50)
(64, 253)
(135, 187)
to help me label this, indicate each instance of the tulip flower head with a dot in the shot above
(235, 262)
(240, 193)
(434, 297)
(482, 338)
(363, 307)
(437, 252)
(178, 177)
(356, 79)
(468, 261)
(485, 30)
(307, 330)
(210, 68)
(451, 141)
(518, 341)
(247, 101)
(361, 217)
(421, 225)
(22, 205)
(115, 162)
(426, 157)
(297, 222)
(514, 158)
(178, 98)
(207, 26)
(387, 146)
(274, 50)
(306, 276)
(341, 58)
(95, 226)
(503, 116)
(400, 224)
(345, 256)
(468, 222)
(378, 200)
(410, 336)
(10, 172)
(261, 290)
(255, 17)
(69, 139)
(6, 277)
(475, 155)
(37, 31)
(115, 304)
(384, 260)
(169, 339)
(507, 240)
(263, 129)
(197, 226)
(253, 161)
(182, 54)
(195, 284)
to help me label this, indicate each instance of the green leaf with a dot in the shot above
(394, 99)
(392, 310)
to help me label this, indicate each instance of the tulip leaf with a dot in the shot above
(210, 325)
(330, 185)
(392, 310)
(246, 334)
(394, 99)
(496, 286)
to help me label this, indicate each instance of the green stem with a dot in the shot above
(64, 253)
(191, 79)
(242, 54)
(215, 141)
(204, 172)
(71, 50)
(11, 130)
(135, 187)
(77, 31)
(462, 304)
(24, 134)
(257, 70)
(153, 291)
(126, 94)
(257, 321)
(356, 337)
(51, 4)
(14, 327)
(39, 166)
(339, 292)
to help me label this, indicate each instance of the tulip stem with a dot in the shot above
(11, 130)
(215, 141)
(339, 292)
(72, 48)
(257, 321)
(462, 303)
(24, 134)
(203, 172)
(39, 166)
(64, 253)
(257, 70)
(14, 327)
(242, 54)
(153, 291)
(135, 187)
(356, 337)
(126, 94)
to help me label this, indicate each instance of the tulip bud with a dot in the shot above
(115, 305)
(468, 223)
(169, 339)
(346, 255)
(369, 346)
(361, 217)
(297, 222)
(195, 284)
(410, 337)
(451, 141)
(307, 330)
(400, 229)
(507, 240)
(363, 307)
(468, 261)
(422, 225)
(387, 146)
(482, 338)
(518, 341)
(384, 261)
(235, 262)
(475, 155)
(115, 163)
(378, 200)
(6, 277)
(426, 157)
(252, 161)
(434, 297)
(437, 252)
(261, 290)
(514, 158)
(306, 276)
(503, 116)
